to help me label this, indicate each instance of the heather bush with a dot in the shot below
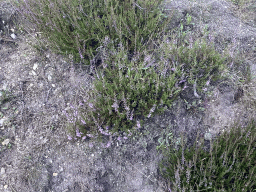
(76, 29)
(230, 165)
(127, 91)
(143, 72)
(128, 88)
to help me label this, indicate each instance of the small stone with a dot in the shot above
(55, 174)
(13, 36)
(33, 72)
(2, 121)
(35, 66)
(208, 136)
(5, 142)
(2, 171)
(5, 186)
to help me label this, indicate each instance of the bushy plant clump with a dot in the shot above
(130, 90)
(126, 90)
(229, 166)
(77, 27)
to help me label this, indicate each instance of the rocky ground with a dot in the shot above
(35, 154)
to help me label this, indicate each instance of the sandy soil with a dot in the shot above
(35, 152)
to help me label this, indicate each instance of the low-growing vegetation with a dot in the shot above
(77, 28)
(136, 89)
(144, 67)
(229, 165)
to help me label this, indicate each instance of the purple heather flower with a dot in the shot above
(78, 134)
(182, 81)
(90, 145)
(104, 65)
(84, 137)
(103, 132)
(177, 178)
(89, 135)
(211, 38)
(185, 87)
(152, 110)
(69, 138)
(115, 105)
(75, 113)
(80, 54)
(91, 105)
(138, 124)
(247, 135)
(131, 117)
(173, 69)
(83, 122)
(125, 137)
(108, 145)
(231, 64)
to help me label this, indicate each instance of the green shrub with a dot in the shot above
(78, 27)
(230, 165)
(198, 62)
(127, 91)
